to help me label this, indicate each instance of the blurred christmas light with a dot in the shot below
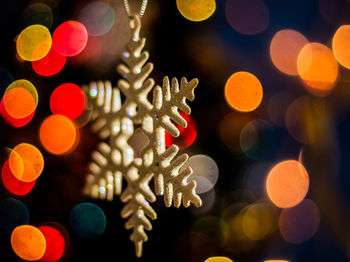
(55, 244)
(284, 50)
(18, 103)
(37, 13)
(15, 122)
(247, 17)
(12, 184)
(243, 91)
(68, 99)
(69, 38)
(196, 10)
(33, 43)
(98, 17)
(341, 45)
(13, 213)
(287, 183)
(88, 220)
(27, 85)
(50, 65)
(218, 259)
(318, 68)
(300, 223)
(58, 134)
(28, 242)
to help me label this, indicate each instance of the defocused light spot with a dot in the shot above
(284, 50)
(33, 43)
(218, 259)
(88, 220)
(230, 130)
(278, 106)
(213, 227)
(23, 83)
(187, 135)
(243, 91)
(12, 184)
(318, 68)
(196, 10)
(38, 13)
(278, 260)
(55, 244)
(98, 17)
(28, 242)
(205, 172)
(15, 122)
(58, 134)
(50, 65)
(300, 121)
(33, 162)
(6, 78)
(341, 45)
(69, 38)
(259, 221)
(13, 213)
(18, 103)
(300, 223)
(287, 183)
(247, 17)
(67, 99)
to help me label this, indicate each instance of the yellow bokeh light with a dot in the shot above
(33, 162)
(196, 10)
(243, 91)
(284, 50)
(278, 260)
(341, 45)
(27, 85)
(28, 242)
(34, 43)
(218, 259)
(318, 68)
(287, 183)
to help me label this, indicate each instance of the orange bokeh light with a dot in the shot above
(218, 259)
(58, 134)
(28, 242)
(318, 68)
(31, 166)
(18, 102)
(287, 183)
(341, 45)
(284, 50)
(243, 91)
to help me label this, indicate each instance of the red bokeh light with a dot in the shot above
(68, 100)
(69, 38)
(15, 122)
(12, 184)
(50, 65)
(55, 244)
(187, 135)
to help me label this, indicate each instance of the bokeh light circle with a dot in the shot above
(50, 65)
(68, 99)
(33, 162)
(14, 185)
(247, 17)
(287, 183)
(69, 38)
(98, 17)
(33, 43)
(18, 102)
(58, 134)
(196, 10)
(88, 220)
(38, 13)
(13, 213)
(218, 259)
(205, 172)
(55, 244)
(14, 122)
(284, 50)
(243, 91)
(300, 223)
(341, 45)
(28, 242)
(23, 83)
(318, 68)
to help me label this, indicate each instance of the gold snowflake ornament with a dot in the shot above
(117, 122)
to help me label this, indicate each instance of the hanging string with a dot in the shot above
(142, 9)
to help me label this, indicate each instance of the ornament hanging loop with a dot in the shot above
(142, 8)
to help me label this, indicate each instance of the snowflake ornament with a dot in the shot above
(117, 121)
